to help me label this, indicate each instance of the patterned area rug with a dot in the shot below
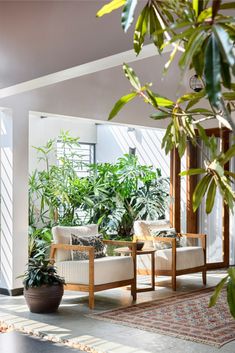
(186, 316)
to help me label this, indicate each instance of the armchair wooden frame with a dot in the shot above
(91, 288)
(173, 272)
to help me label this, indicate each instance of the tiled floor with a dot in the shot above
(71, 323)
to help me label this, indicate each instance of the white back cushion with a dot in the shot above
(62, 234)
(143, 229)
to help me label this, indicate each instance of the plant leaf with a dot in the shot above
(231, 297)
(212, 70)
(194, 171)
(120, 103)
(128, 14)
(228, 155)
(228, 5)
(218, 288)
(113, 5)
(194, 44)
(210, 199)
(159, 115)
(131, 75)
(200, 191)
(141, 29)
(223, 121)
(225, 45)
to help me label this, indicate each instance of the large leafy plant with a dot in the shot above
(112, 195)
(202, 32)
(126, 191)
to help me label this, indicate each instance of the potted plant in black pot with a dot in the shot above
(43, 288)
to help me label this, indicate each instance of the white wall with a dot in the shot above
(113, 141)
(14, 198)
(41, 130)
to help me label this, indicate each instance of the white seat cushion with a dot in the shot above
(107, 270)
(186, 258)
(62, 234)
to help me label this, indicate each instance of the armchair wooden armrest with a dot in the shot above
(165, 239)
(89, 249)
(130, 244)
(202, 237)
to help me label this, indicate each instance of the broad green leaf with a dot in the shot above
(229, 96)
(225, 44)
(128, 14)
(158, 101)
(191, 96)
(195, 6)
(198, 62)
(159, 115)
(194, 171)
(225, 73)
(182, 145)
(210, 199)
(218, 288)
(113, 5)
(231, 272)
(207, 13)
(228, 155)
(200, 191)
(203, 111)
(155, 29)
(120, 103)
(212, 70)
(203, 135)
(141, 29)
(194, 45)
(226, 172)
(223, 121)
(130, 74)
(231, 297)
(228, 5)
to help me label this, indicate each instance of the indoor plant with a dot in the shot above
(43, 288)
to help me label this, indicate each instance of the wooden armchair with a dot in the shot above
(174, 261)
(93, 275)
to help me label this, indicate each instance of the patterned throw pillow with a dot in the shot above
(168, 233)
(94, 240)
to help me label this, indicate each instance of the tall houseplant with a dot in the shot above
(202, 32)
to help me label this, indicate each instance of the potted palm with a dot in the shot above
(43, 288)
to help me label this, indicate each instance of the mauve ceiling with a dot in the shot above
(41, 37)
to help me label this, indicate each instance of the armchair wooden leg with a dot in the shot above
(91, 300)
(204, 277)
(174, 282)
(133, 291)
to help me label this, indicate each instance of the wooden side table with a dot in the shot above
(127, 251)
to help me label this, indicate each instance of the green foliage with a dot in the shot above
(112, 195)
(41, 272)
(229, 281)
(203, 35)
(39, 242)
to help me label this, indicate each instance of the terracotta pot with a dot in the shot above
(44, 299)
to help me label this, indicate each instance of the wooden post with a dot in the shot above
(191, 182)
(175, 212)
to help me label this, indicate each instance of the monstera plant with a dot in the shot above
(202, 34)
